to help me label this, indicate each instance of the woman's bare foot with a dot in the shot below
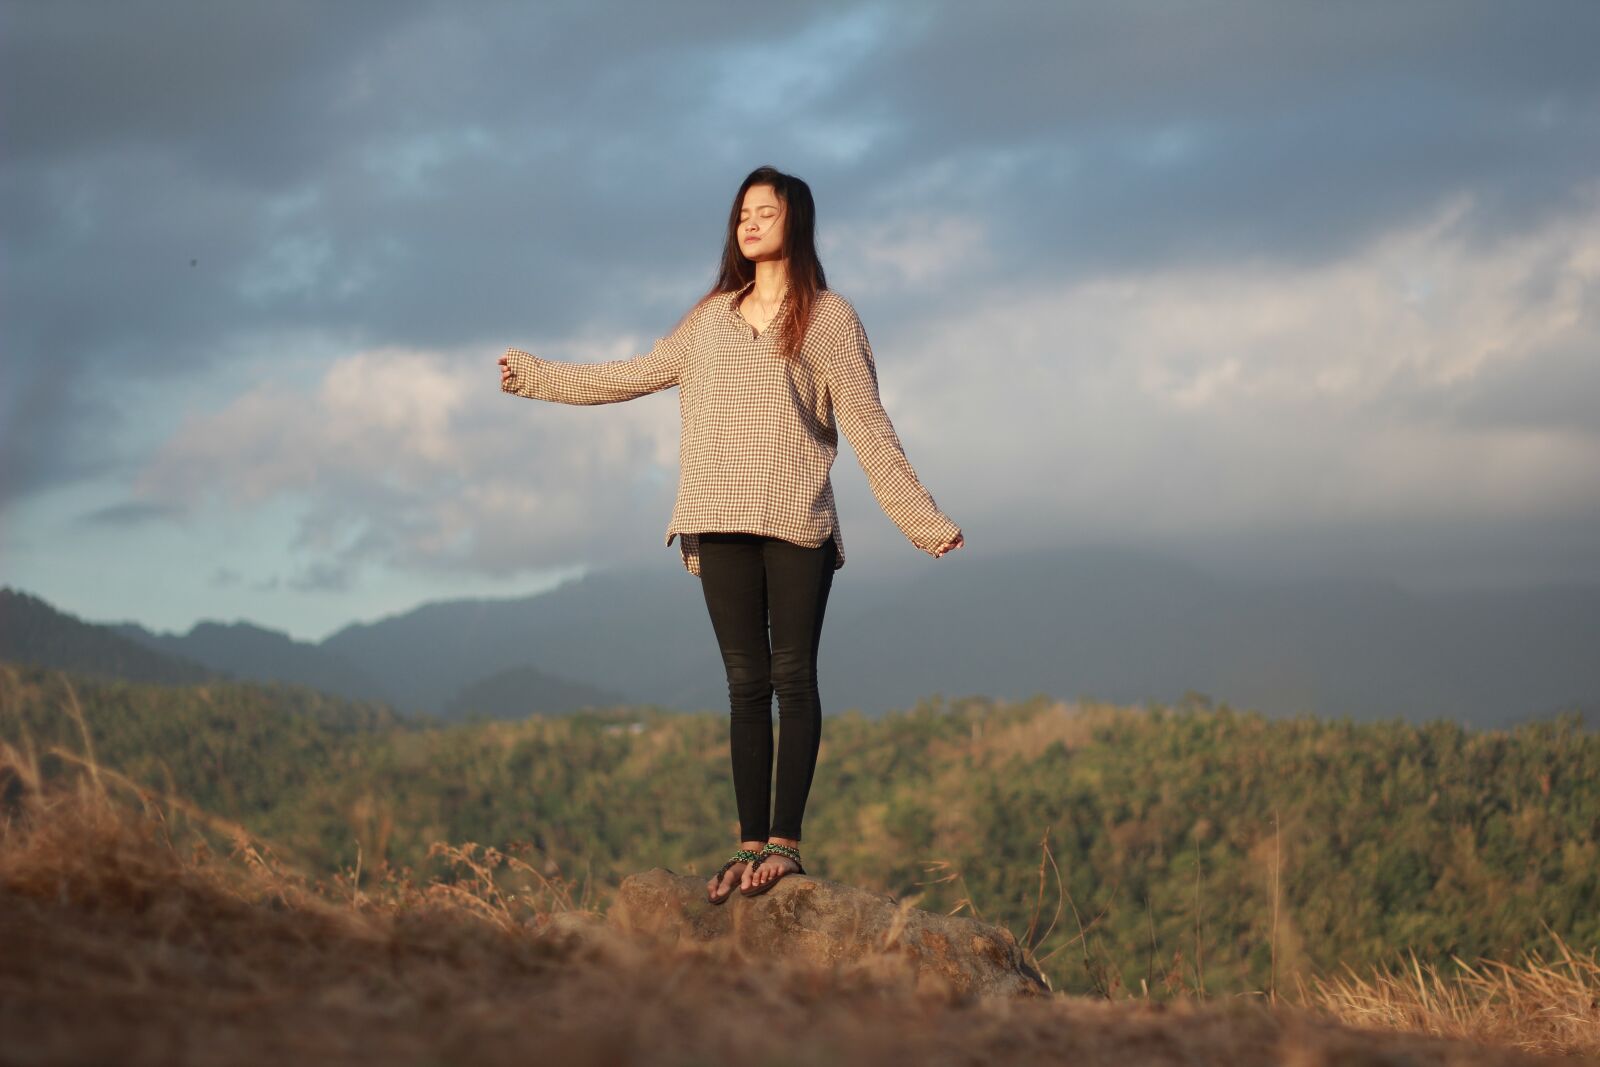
(717, 889)
(773, 865)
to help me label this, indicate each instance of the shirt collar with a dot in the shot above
(737, 295)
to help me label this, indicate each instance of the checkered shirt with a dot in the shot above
(758, 435)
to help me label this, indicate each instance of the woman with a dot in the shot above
(763, 362)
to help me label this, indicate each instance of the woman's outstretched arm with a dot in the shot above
(526, 375)
(853, 385)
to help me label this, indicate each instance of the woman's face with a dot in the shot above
(761, 222)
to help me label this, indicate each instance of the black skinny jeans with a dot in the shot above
(748, 578)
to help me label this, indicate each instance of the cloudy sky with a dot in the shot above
(1283, 288)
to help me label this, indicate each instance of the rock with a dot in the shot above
(574, 925)
(826, 922)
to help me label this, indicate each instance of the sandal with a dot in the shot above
(772, 849)
(743, 855)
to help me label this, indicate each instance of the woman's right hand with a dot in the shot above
(942, 549)
(508, 377)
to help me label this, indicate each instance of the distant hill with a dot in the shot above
(1107, 623)
(518, 692)
(32, 631)
(245, 650)
(1125, 626)
(1099, 623)
(642, 634)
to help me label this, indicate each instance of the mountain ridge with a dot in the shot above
(1099, 622)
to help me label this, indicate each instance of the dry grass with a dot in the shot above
(136, 930)
(1536, 1005)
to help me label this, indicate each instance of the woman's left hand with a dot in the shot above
(957, 543)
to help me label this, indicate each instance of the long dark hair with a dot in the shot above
(799, 247)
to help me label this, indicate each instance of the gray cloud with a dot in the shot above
(322, 577)
(129, 513)
(223, 577)
(1557, 391)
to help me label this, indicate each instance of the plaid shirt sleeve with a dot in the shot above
(853, 384)
(599, 383)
